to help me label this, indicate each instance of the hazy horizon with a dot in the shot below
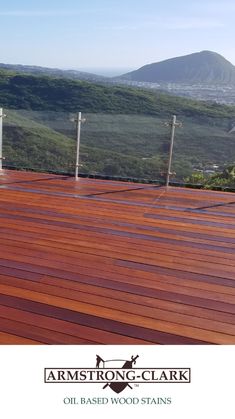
(104, 71)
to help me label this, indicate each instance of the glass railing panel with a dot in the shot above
(204, 153)
(40, 141)
(131, 147)
(123, 146)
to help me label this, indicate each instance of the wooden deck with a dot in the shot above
(104, 262)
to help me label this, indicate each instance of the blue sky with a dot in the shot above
(113, 33)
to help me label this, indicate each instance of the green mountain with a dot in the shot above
(43, 93)
(203, 67)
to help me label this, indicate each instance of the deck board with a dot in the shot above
(105, 262)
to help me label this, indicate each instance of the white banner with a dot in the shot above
(203, 389)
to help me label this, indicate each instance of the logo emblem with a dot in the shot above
(117, 374)
(116, 363)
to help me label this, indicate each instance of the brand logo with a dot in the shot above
(117, 374)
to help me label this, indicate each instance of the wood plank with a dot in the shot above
(150, 335)
(9, 339)
(72, 329)
(143, 308)
(113, 314)
(100, 261)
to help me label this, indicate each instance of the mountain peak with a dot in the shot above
(206, 67)
(206, 51)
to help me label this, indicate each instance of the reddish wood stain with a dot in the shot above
(105, 262)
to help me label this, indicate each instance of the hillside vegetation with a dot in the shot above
(20, 91)
(51, 72)
(124, 133)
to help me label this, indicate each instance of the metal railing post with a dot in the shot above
(173, 124)
(171, 150)
(79, 117)
(79, 120)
